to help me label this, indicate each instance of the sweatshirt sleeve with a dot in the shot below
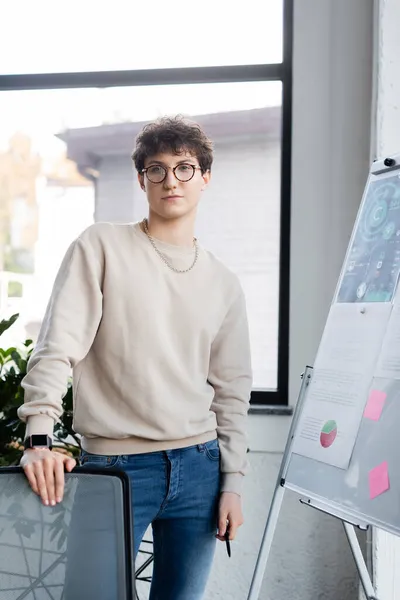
(68, 329)
(231, 377)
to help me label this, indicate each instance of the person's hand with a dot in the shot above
(45, 472)
(230, 515)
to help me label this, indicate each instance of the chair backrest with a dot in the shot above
(80, 549)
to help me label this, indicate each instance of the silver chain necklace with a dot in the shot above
(163, 258)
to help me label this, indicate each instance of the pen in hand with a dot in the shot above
(228, 544)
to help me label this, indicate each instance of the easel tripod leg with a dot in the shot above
(360, 562)
(277, 498)
(266, 544)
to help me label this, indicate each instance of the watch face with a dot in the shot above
(39, 440)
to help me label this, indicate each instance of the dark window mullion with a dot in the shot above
(184, 76)
(280, 396)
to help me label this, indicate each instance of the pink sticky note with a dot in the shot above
(378, 480)
(375, 403)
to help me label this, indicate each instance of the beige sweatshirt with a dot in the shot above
(160, 360)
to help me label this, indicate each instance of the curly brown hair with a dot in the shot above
(173, 134)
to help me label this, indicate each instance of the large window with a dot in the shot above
(71, 108)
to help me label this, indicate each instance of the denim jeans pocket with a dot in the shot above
(98, 460)
(212, 450)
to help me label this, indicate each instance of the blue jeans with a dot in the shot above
(177, 492)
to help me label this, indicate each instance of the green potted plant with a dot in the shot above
(13, 364)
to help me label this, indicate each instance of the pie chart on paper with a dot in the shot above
(328, 434)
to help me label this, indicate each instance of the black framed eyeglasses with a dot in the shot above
(183, 172)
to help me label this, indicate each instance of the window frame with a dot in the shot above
(282, 72)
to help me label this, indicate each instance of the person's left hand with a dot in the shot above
(230, 515)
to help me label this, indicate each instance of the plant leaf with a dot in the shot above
(7, 323)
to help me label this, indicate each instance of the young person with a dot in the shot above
(156, 332)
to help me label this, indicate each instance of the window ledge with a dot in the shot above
(269, 409)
